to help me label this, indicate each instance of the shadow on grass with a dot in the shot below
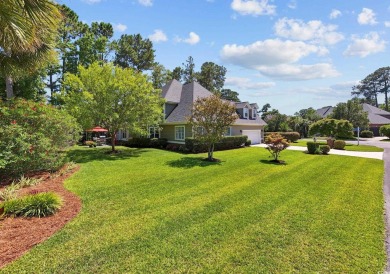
(83, 155)
(190, 162)
(272, 162)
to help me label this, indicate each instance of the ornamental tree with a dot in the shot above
(276, 144)
(112, 97)
(210, 119)
(332, 127)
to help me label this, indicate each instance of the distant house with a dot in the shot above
(179, 101)
(377, 117)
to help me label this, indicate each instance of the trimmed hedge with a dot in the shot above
(366, 134)
(194, 146)
(313, 147)
(325, 149)
(339, 144)
(385, 130)
(144, 142)
(290, 136)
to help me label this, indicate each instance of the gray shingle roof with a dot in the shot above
(172, 91)
(374, 110)
(376, 119)
(257, 122)
(325, 111)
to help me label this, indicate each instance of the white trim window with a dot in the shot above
(180, 133)
(124, 134)
(245, 112)
(254, 111)
(154, 132)
(228, 132)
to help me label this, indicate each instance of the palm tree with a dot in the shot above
(26, 40)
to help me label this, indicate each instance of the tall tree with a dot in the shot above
(352, 111)
(177, 73)
(112, 97)
(211, 116)
(212, 77)
(230, 95)
(302, 120)
(132, 51)
(26, 40)
(188, 71)
(160, 76)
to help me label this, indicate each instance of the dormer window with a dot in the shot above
(254, 111)
(246, 112)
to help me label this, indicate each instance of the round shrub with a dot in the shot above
(32, 136)
(38, 205)
(339, 144)
(312, 147)
(385, 130)
(248, 143)
(366, 134)
(325, 149)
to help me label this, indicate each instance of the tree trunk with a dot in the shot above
(9, 86)
(113, 137)
(211, 150)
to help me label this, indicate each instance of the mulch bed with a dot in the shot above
(18, 235)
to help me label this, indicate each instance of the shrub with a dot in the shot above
(313, 147)
(366, 134)
(339, 144)
(158, 142)
(289, 136)
(276, 144)
(385, 130)
(325, 149)
(248, 143)
(90, 143)
(332, 127)
(195, 146)
(32, 136)
(38, 205)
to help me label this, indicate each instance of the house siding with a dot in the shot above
(168, 132)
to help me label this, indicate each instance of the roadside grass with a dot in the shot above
(348, 147)
(154, 211)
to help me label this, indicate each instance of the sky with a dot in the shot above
(292, 54)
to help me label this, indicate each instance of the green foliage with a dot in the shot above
(112, 97)
(248, 143)
(276, 143)
(276, 122)
(325, 149)
(230, 142)
(37, 205)
(352, 111)
(32, 136)
(312, 147)
(230, 95)
(132, 51)
(210, 118)
(212, 77)
(339, 144)
(90, 143)
(366, 134)
(290, 136)
(385, 130)
(332, 127)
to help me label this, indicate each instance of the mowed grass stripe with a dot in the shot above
(157, 211)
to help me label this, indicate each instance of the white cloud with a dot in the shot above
(369, 44)
(334, 14)
(92, 1)
(313, 30)
(146, 3)
(120, 27)
(387, 24)
(253, 7)
(246, 83)
(367, 17)
(269, 52)
(192, 39)
(299, 72)
(158, 36)
(292, 4)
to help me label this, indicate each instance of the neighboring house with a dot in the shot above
(177, 108)
(377, 117)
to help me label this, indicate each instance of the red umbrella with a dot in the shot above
(97, 129)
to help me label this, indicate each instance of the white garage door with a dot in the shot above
(253, 135)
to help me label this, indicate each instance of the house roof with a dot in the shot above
(254, 105)
(325, 111)
(186, 95)
(376, 119)
(171, 91)
(242, 104)
(374, 110)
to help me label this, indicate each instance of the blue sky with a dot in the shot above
(293, 54)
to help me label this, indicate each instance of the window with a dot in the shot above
(154, 132)
(246, 112)
(179, 133)
(124, 134)
(200, 130)
(228, 132)
(254, 111)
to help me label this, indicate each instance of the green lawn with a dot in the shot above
(349, 147)
(154, 211)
